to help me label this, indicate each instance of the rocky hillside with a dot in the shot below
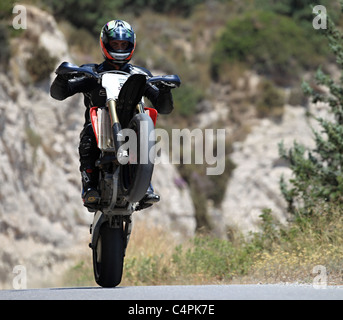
(254, 182)
(42, 221)
(254, 185)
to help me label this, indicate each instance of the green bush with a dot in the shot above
(41, 64)
(4, 46)
(317, 172)
(6, 7)
(270, 101)
(299, 10)
(91, 15)
(270, 43)
(186, 99)
(183, 7)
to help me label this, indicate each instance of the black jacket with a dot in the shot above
(94, 95)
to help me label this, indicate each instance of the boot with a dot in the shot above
(90, 194)
(149, 199)
(150, 196)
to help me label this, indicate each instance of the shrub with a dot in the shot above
(186, 99)
(318, 171)
(183, 7)
(91, 15)
(4, 46)
(271, 44)
(41, 64)
(6, 7)
(270, 101)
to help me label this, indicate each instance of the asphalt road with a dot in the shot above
(209, 292)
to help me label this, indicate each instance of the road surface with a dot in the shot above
(208, 292)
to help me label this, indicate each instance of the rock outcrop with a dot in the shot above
(254, 184)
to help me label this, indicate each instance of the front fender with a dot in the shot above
(98, 220)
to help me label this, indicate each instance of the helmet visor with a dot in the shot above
(118, 40)
(121, 31)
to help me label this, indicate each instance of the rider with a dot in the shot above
(117, 42)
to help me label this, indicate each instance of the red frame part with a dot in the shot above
(152, 113)
(93, 112)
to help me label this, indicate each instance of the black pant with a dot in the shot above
(89, 152)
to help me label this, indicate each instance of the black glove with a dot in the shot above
(165, 86)
(65, 77)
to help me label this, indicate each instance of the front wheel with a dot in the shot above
(108, 256)
(137, 173)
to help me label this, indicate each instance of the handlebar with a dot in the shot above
(170, 80)
(67, 68)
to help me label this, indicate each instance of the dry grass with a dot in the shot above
(297, 266)
(149, 256)
(275, 255)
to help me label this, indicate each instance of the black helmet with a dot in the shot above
(117, 30)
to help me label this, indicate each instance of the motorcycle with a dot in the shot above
(124, 129)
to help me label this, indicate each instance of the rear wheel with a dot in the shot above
(108, 255)
(136, 175)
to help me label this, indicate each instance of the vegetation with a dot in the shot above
(91, 15)
(276, 254)
(270, 101)
(40, 65)
(6, 7)
(272, 44)
(318, 171)
(187, 99)
(4, 46)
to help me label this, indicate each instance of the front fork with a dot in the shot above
(119, 221)
(115, 124)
